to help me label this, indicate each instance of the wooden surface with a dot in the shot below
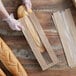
(17, 42)
(64, 23)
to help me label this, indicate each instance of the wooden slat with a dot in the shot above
(32, 43)
(64, 21)
(43, 37)
(71, 22)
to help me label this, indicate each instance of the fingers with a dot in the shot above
(13, 23)
(28, 4)
(18, 26)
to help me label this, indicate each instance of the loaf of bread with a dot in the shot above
(2, 73)
(10, 61)
(22, 13)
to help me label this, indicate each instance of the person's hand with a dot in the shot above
(13, 23)
(28, 4)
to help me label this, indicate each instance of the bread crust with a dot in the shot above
(2, 73)
(10, 61)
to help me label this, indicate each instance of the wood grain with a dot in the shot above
(67, 30)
